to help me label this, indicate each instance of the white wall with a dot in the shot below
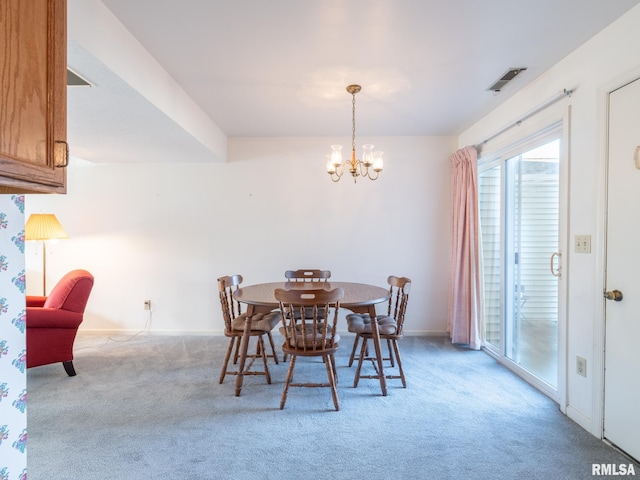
(166, 232)
(605, 62)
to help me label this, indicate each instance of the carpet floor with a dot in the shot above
(150, 407)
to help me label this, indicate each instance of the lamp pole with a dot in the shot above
(44, 268)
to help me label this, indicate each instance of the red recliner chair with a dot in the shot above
(53, 321)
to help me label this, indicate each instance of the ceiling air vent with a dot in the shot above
(506, 78)
(75, 80)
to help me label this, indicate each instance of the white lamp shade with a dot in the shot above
(43, 226)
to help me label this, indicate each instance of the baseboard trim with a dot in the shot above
(128, 332)
(125, 332)
(425, 333)
(582, 420)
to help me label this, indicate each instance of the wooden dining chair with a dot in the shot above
(315, 336)
(390, 328)
(234, 323)
(307, 275)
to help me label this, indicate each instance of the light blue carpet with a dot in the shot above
(152, 408)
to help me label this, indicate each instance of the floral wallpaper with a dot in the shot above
(13, 354)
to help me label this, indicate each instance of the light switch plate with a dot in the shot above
(581, 366)
(583, 243)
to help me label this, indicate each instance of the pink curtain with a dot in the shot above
(463, 322)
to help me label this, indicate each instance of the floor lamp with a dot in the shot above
(44, 226)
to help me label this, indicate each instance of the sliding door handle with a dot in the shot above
(555, 271)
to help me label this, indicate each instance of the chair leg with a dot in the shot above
(236, 353)
(333, 367)
(363, 354)
(232, 342)
(397, 352)
(285, 390)
(263, 354)
(332, 380)
(68, 367)
(390, 352)
(273, 348)
(353, 350)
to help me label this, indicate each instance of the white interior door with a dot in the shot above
(622, 351)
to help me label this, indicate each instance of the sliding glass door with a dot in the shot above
(519, 218)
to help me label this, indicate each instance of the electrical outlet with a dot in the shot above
(147, 304)
(583, 243)
(581, 366)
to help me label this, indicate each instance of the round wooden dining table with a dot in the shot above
(358, 297)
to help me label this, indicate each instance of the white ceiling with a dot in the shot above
(172, 79)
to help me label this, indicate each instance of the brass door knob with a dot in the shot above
(615, 295)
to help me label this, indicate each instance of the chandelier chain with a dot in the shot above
(353, 121)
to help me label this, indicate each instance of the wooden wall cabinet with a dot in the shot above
(33, 97)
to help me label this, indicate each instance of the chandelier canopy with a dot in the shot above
(371, 163)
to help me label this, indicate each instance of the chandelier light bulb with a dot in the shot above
(331, 168)
(336, 155)
(378, 161)
(367, 155)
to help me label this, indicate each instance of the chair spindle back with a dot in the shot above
(309, 317)
(307, 275)
(399, 287)
(231, 308)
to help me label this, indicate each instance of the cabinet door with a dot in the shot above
(33, 97)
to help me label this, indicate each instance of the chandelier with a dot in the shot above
(371, 163)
